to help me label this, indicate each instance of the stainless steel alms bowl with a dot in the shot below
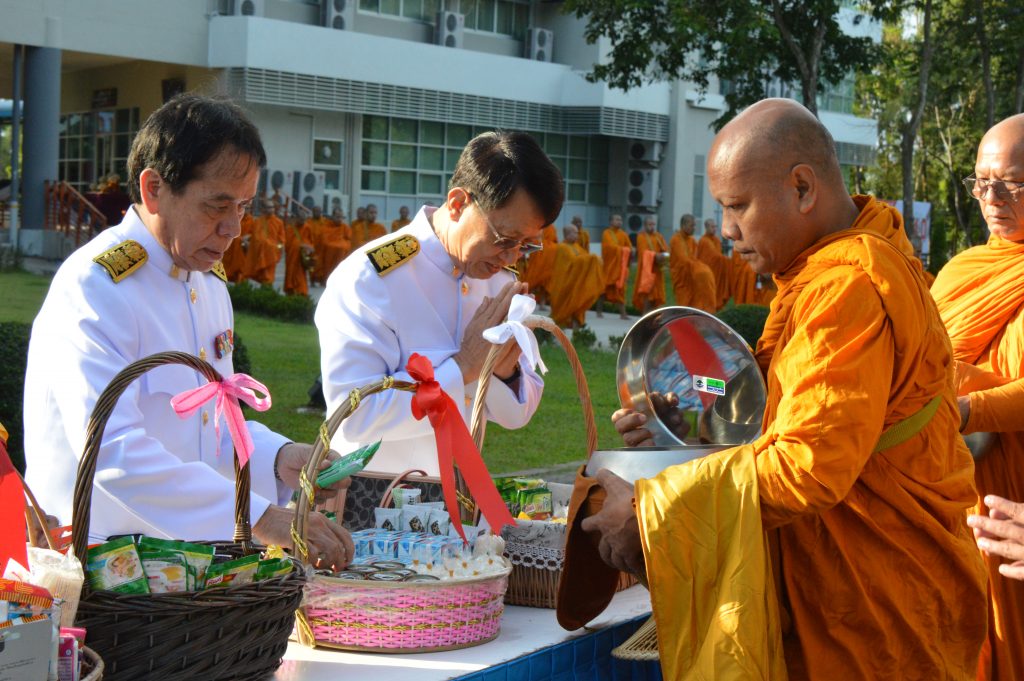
(637, 463)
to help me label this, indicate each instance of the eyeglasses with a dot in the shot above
(979, 186)
(507, 243)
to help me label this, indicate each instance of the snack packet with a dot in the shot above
(438, 522)
(232, 572)
(415, 518)
(535, 502)
(387, 518)
(166, 571)
(197, 557)
(404, 496)
(353, 462)
(116, 566)
(273, 567)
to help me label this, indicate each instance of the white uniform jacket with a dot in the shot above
(156, 473)
(371, 323)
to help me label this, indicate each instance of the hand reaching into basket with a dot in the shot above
(474, 349)
(293, 457)
(329, 544)
(615, 527)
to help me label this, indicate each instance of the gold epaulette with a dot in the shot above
(391, 254)
(513, 270)
(122, 259)
(218, 271)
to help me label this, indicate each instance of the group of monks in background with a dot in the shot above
(571, 279)
(311, 243)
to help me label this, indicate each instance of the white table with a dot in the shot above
(523, 631)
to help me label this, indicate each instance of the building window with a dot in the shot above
(583, 161)
(698, 186)
(419, 10)
(838, 97)
(95, 144)
(506, 17)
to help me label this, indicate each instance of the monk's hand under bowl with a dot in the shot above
(615, 526)
(671, 416)
(631, 426)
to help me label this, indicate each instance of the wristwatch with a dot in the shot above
(513, 377)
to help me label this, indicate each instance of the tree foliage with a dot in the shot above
(749, 44)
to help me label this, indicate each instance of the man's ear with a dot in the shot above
(458, 199)
(805, 183)
(151, 188)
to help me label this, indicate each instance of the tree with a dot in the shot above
(749, 44)
(909, 137)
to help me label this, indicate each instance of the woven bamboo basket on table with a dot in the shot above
(389, 617)
(233, 633)
(536, 570)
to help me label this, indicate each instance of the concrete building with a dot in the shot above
(367, 101)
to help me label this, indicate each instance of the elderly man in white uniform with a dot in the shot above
(432, 288)
(151, 284)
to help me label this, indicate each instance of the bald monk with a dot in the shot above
(298, 255)
(692, 281)
(402, 221)
(315, 226)
(709, 252)
(649, 287)
(540, 265)
(265, 246)
(584, 236)
(335, 242)
(235, 256)
(880, 577)
(742, 280)
(980, 295)
(616, 250)
(577, 280)
(367, 229)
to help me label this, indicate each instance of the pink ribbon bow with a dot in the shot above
(228, 392)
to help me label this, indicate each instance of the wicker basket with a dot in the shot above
(537, 569)
(92, 665)
(238, 632)
(389, 617)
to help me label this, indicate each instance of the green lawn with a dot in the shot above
(285, 357)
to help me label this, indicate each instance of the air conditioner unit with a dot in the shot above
(449, 28)
(539, 44)
(335, 199)
(309, 188)
(274, 181)
(338, 14)
(635, 222)
(643, 187)
(644, 150)
(249, 8)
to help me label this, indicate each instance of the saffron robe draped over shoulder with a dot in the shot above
(576, 283)
(649, 269)
(265, 246)
(615, 251)
(298, 237)
(692, 281)
(541, 265)
(980, 295)
(709, 252)
(878, 569)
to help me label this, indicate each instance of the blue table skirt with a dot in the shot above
(583, 658)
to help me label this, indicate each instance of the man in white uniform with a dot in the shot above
(432, 288)
(151, 284)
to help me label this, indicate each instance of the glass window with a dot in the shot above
(74, 124)
(577, 192)
(431, 132)
(599, 148)
(560, 164)
(73, 147)
(403, 130)
(431, 158)
(698, 195)
(458, 135)
(375, 127)
(332, 179)
(412, 9)
(468, 9)
(327, 152)
(430, 184)
(578, 146)
(375, 154)
(105, 120)
(451, 158)
(88, 124)
(402, 182)
(555, 145)
(597, 193)
(485, 15)
(430, 9)
(578, 168)
(392, 7)
(599, 170)
(122, 143)
(505, 12)
(369, 5)
(122, 120)
(520, 19)
(63, 146)
(373, 180)
(403, 156)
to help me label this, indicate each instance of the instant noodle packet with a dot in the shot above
(233, 572)
(116, 566)
(197, 557)
(166, 571)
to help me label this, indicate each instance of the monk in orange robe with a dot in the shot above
(298, 257)
(742, 280)
(980, 296)
(692, 281)
(540, 266)
(335, 243)
(709, 252)
(366, 229)
(265, 245)
(879, 574)
(315, 226)
(402, 221)
(584, 236)
(616, 250)
(234, 258)
(651, 250)
(577, 280)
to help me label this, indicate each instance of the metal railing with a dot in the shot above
(69, 212)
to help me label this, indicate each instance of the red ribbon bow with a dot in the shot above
(228, 392)
(455, 445)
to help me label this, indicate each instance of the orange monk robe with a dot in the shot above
(981, 300)
(692, 281)
(316, 227)
(297, 237)
(743, 281)
(234, 258)
(398, 224)
(649, 269)
(364, 233)
(881, 576)
(576, 283)
(709, 252)
(265, 246)
(615, 252)
(583, 239)
(541, 265)
(335, 245)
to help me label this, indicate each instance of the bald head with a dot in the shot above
(687, 223)
(1001, 160)
(570, 233)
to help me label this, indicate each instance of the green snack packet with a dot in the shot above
(232, 572)
(166, 571)
(353, 462)
(116, 566)
(535, 501)
(197, 557)
(528, 483)
(273, 567)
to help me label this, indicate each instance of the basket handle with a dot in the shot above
(386, 500)
(321, 445)
(35, 517)
(82, 503)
